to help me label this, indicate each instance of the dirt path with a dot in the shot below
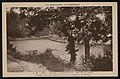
(15, 65)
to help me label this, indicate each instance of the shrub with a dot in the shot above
(102, 63)
(47, 59)
(81, 65)
(96, 63)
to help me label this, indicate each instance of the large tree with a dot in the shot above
(85, 24)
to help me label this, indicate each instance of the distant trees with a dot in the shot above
(16, 26)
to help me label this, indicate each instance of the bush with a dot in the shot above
(81, 65)
(102, 63)
(47, 59)
(97, 63)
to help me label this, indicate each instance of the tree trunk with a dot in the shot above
(73, 56)
(87, 50)
(71, 50)
(87, 55)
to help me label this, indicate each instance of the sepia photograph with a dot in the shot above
(60, 39)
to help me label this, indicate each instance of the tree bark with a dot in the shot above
(87, 55)
(87, 50)
(71, 50)
(73, 56)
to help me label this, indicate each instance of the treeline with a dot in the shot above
(20, 24)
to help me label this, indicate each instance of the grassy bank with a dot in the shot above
(47, 59)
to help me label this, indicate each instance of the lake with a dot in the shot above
(58, 48)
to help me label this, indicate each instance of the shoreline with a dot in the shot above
(49, 38)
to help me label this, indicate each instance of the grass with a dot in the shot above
(47, 59)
